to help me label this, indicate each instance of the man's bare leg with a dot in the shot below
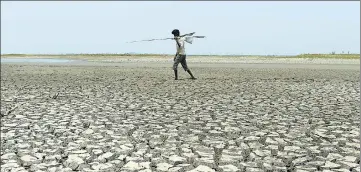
(176, 74)
(190, 73)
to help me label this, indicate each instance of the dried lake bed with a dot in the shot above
(132, 116)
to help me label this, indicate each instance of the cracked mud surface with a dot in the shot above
(84, 118)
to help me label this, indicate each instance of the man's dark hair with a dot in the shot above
(175, 32)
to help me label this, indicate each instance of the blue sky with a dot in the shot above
(257, 28)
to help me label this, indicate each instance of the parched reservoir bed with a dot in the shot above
(136, 117)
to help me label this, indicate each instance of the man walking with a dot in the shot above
(180, 56)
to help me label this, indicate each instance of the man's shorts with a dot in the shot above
(182, 60)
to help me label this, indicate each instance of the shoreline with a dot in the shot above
(197, 59)
(240, 66)
(127, 55)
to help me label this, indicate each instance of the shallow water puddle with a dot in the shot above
(34, 60)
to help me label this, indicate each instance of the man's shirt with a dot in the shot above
(180, 48)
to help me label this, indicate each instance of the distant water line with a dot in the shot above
(34, 60)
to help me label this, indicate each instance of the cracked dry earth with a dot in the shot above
(84, 118)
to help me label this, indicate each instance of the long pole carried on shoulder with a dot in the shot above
(188, 34)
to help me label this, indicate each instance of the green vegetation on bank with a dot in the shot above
(109, 55)
(81, 55)
(330, 56)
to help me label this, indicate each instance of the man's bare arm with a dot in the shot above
(175, 56)
(177, 40)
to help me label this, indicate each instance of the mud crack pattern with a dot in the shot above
(60, 118)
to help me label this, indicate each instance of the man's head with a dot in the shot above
(175, 32)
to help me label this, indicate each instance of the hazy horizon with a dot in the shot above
(233, 27)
